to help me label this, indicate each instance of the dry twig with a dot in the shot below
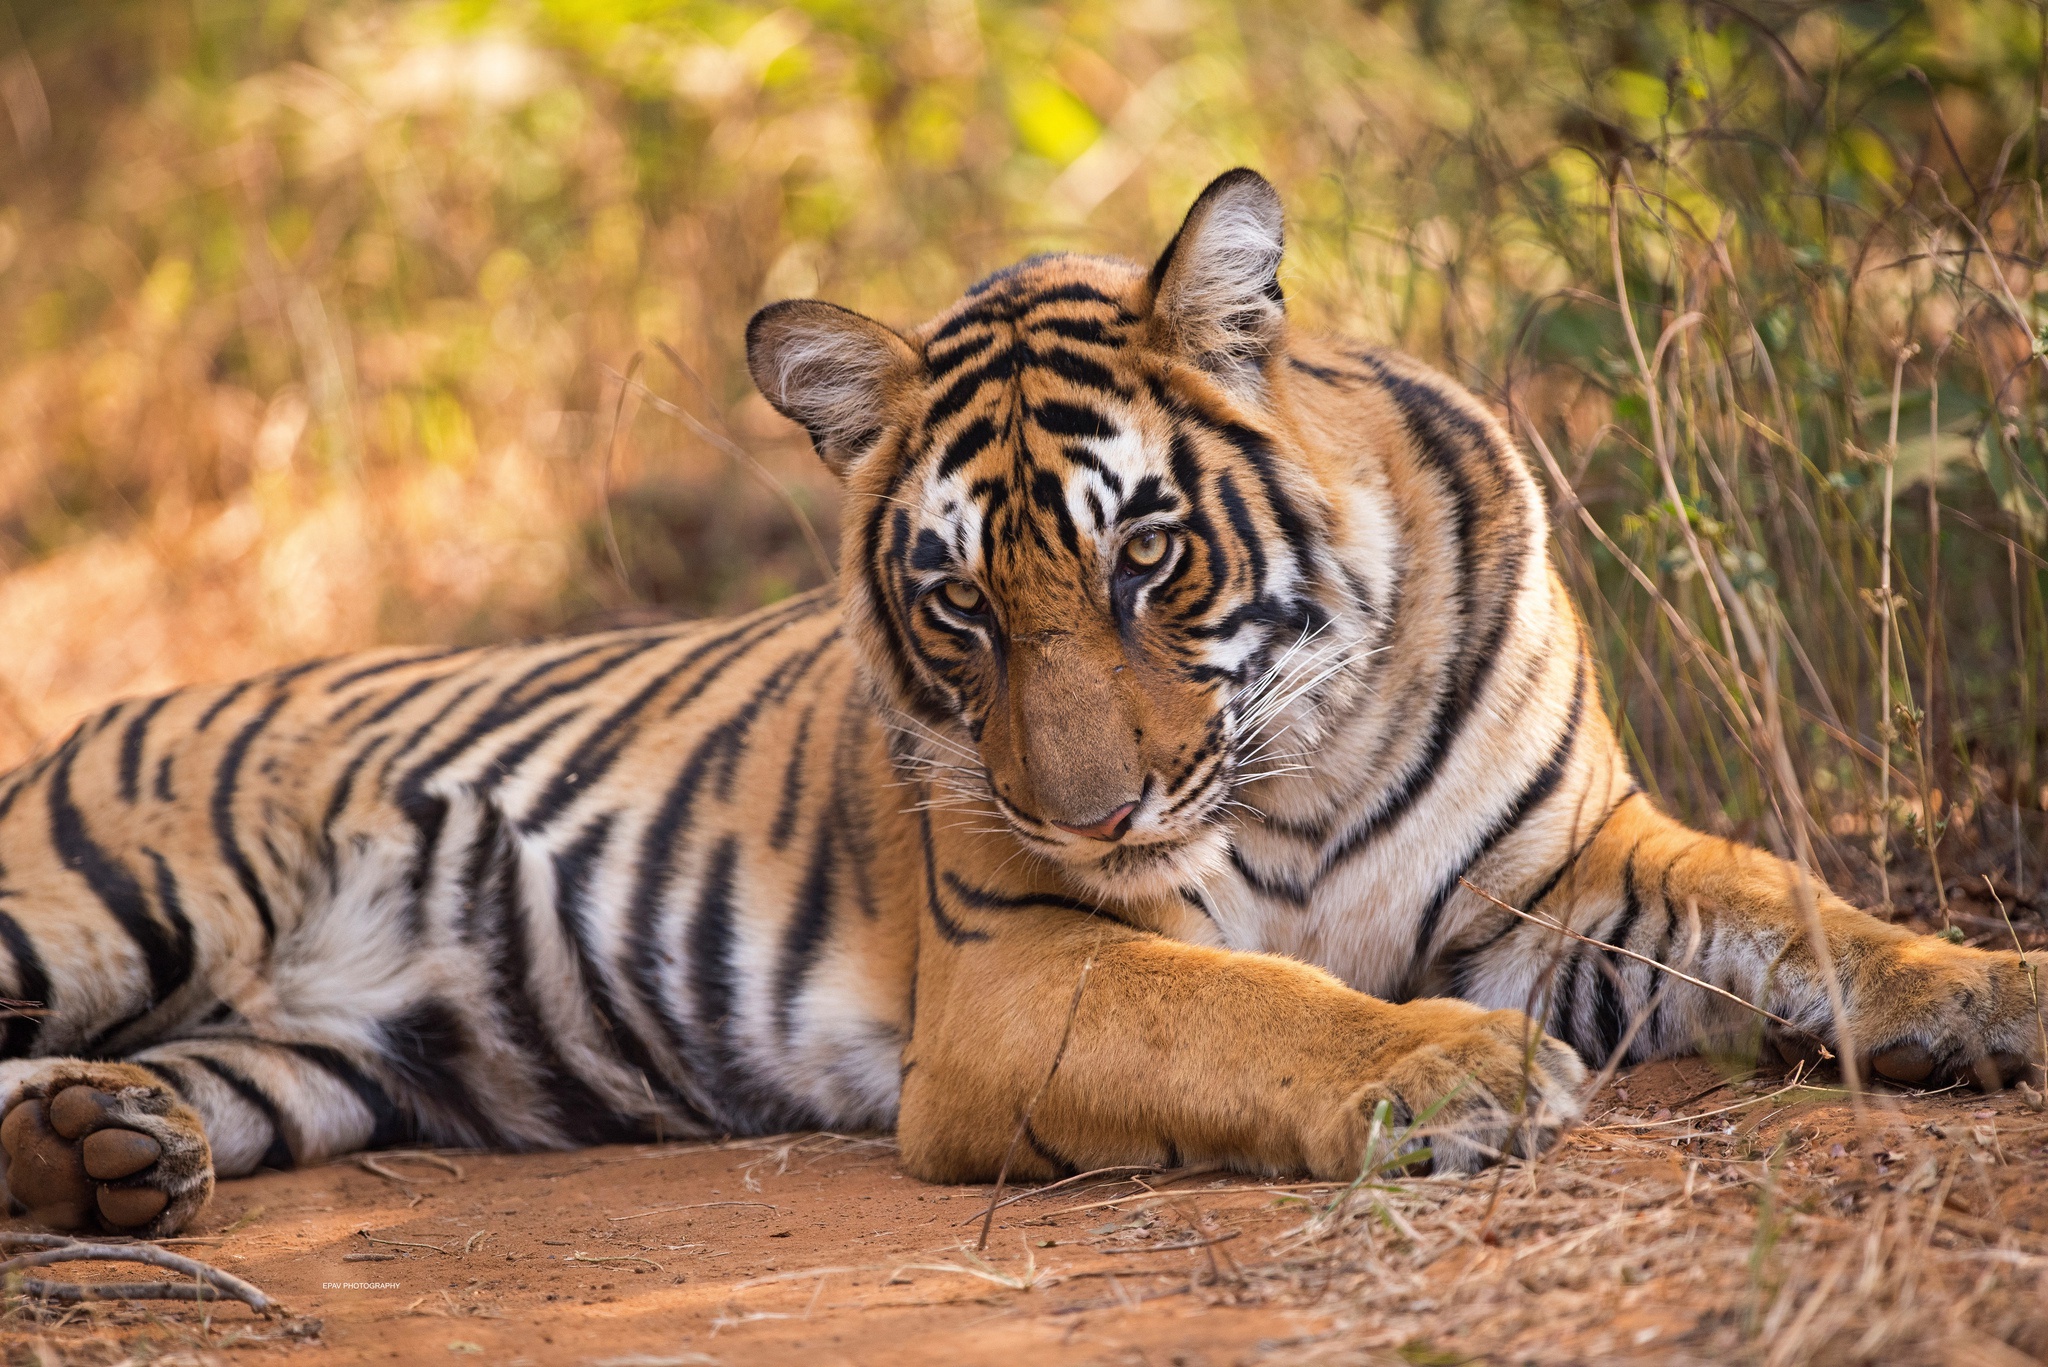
(208, 1282)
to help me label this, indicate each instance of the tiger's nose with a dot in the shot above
(1111, 827)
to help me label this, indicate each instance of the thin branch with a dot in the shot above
(57, 1248)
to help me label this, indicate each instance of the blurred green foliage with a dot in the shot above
(366, 277)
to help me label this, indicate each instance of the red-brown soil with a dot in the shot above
(1770, 1227)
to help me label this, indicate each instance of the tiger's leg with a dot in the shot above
(1185, 1053)
(134, 1146)
(1918, 1009)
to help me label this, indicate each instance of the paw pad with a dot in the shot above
(61, 1156)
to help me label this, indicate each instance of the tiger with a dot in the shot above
(1197, 760)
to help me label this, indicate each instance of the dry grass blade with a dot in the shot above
(1024, 1120)
(1223, 1238)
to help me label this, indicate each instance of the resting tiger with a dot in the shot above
(1211, 672)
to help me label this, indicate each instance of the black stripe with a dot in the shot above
(952, 930)
(711, 968)
(279, 1154)
(429, 1048)
(132, 740)
(115, 886)
(499, 924)
(574, 867)
(507, 761)
(999, 368)
(1426, 413)
(514, 702)
(428, 814)
(392, 703)
(1080, 455)
(784, 825)
(1607, 1008)
(939, 364)
(163, 781)
(344, 786)
(179, 1085)
(1062, 1167)
(660, 845)
(172, 903)
(1467, 960)
(1323, 373)
(470, 883)
(599, 749)
(1533, 794)
(388, 1125)
(1051, 498)
(982, 899)
(1072, 366)
(31, 984)
(427, 728)
(810, 923)
(774, 689)
(1241, 523)
(221, 704)
(223, 811)
(1092, 330)
(1565, 1010)
(386, 666)
(969, 442)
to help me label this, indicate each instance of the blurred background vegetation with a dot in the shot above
(316, 318)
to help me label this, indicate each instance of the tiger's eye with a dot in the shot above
(1146, 549)
(962, 595)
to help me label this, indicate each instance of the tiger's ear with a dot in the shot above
(1216, 289)
(829, 369)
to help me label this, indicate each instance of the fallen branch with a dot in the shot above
(401, 1243)
(694, 1205)
(208, 1282)
(581, 1257)
(369, 1163)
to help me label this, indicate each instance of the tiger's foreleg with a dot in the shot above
(1917, 1008)
(133, 1147)
(1181, 1053)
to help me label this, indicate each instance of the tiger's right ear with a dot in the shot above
(829, 369)
(1216, 289)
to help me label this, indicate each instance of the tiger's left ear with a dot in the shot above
(1216, 289)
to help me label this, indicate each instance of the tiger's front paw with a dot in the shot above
(104, 1146)
(1470, 1085)
(1929, 1014)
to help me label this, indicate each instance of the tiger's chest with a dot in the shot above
(1358, 920)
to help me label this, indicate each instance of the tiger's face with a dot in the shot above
(1081, 549)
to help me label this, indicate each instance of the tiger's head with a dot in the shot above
(1092, 560)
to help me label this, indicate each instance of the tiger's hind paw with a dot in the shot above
(104, 1146)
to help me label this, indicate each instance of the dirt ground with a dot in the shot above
(1695, 1217)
